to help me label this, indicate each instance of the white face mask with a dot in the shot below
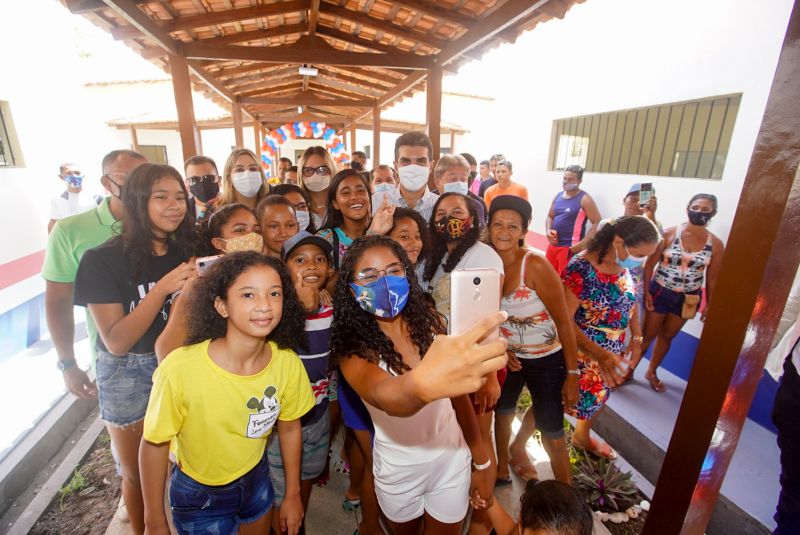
(413, 177)
(383, 187)
(456, 187)
(247, 182)
(303, 219)
(317, 182)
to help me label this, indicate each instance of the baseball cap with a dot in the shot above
(302, 238)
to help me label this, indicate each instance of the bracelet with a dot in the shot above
(639, 339)
(574, 372)
(483, 466)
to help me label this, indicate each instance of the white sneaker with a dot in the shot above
(122, 513)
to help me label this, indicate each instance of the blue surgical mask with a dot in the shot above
(383, 187)
(456, 187)
(632, 261)
(385, 298)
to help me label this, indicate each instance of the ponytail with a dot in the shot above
(633, 230)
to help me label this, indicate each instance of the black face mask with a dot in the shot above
(120, 188)
(700, 219)
(356, 166)
(205, 191)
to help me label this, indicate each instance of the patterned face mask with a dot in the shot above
(452, 228)
(385, 298)
(248, 242)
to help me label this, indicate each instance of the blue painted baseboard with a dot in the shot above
(679, 361)
(21, 327)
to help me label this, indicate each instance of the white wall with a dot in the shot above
(610, 55)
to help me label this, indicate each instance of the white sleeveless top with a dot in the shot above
(530, 329)
(409, 440)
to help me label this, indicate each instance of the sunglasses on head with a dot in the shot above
(321, 170)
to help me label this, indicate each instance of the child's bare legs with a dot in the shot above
(369, 501)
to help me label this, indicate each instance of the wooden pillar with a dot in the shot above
(748, 300)
(376, 137)
(238, 131)
(434, 109)
(134, 138)
(259, 136)
(181, 85)
(352, 137)
(452, 142)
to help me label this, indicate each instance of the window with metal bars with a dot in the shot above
(682, 139)
(7, 142)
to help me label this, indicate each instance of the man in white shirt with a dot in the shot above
(413, 159)
(73, 200)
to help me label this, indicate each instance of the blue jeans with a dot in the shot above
(785, 417)
(545, 377)
(198, 508)
(123, 385)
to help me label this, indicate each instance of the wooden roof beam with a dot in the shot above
(336, 76)
(269, 68)
(339, 92)
(445, 15)
(313, 17)
(79, 7)
(274, 89)
(369, 74)
(388, 27)
(218, 17)
(356, 40)
(254, 35)
(300, 54)
(307, 100)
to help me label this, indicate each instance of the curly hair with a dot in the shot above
(401, 213)
(355, 332)
(137, 234)
(334, 217)
(204, 321)
(633, 229)
(439, 246)
(212, 228)
(554, 507)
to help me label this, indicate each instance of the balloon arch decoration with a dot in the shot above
(273, 139)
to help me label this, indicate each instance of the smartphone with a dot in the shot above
(206, 263)
(645, 193)
(474, 294)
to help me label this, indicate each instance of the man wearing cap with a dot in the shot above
(632, 206)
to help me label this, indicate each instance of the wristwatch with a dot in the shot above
(64, 365)
(639, 339)
(574, 372)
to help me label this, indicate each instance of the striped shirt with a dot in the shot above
(315, 360)
(424, 205)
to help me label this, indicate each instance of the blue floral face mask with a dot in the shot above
(385, 298)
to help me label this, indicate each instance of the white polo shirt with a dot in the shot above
(68, 204)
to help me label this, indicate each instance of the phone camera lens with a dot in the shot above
(476, 281)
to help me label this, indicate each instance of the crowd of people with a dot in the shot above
(239, 324)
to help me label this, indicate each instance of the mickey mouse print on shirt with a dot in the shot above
(268, 409)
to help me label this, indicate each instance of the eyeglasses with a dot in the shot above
(205, 178)
(370, 275)
(321, 170)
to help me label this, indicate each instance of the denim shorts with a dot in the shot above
(666, 301)
(198, 508)
(544, 376)
(123, 385)
(315, 442)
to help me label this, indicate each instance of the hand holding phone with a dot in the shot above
(474, 294)
(645, 194)
(205, 263)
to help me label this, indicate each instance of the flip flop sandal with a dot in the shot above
(502, 481)
(599, 449)
(341, 466)
(351, 505)
(524, 470)
(657, 385)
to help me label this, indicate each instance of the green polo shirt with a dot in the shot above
(70, 238)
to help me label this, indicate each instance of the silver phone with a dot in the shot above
(204, 264)
(474, 294)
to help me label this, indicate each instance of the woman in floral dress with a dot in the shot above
(602, 295)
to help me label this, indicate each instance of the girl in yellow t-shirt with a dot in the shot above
(218, 399)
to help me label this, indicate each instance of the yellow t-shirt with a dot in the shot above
(220, 420)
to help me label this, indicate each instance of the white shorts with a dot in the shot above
(439, 486)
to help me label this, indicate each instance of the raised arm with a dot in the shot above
(593, 215)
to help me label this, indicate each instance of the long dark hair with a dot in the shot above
(439, 246)
(356, 332)
(554, 507)
(334, 217)
(212, 228)
(137, 234)
(204, 320)
(633, 229)
(424, 235)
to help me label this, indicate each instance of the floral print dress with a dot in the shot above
(606, 305)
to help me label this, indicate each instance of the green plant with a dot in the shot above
(524, 400)
(76, 484)
(604, 485)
